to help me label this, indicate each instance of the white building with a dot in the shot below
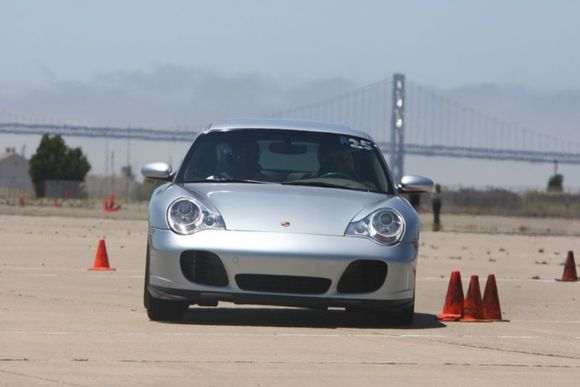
(14, 170)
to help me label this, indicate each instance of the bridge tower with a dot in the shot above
(397, 151)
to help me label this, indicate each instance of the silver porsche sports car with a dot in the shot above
(282, 212)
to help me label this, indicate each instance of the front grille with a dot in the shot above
(282, 283)
(363, 276)
(203, 267)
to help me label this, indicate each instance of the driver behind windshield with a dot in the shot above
(335, 160)
(238, 160)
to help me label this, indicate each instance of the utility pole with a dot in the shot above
(112, 170)
(107, 157)
(397, 151)
(129, 173)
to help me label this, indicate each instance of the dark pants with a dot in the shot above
(436, 212)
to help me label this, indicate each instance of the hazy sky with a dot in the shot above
(168, 63)
(446, 43)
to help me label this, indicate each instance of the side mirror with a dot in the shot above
(157, 171)
(415, 184)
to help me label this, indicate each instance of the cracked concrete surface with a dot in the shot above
(63, 325)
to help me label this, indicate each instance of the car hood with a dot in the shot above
(283, 208)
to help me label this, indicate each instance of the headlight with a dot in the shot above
(385, 226)
(187, 216)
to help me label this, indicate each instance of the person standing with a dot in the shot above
(436, 203)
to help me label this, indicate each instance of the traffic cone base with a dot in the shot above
(448, 317)
(101, 258)
(569, 274)
(453, 306)
(101, 269)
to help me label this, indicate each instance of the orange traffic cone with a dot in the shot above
(101, 258)
(473, 307)
(491, 308)
(453, 307)
(569, 274)
(21, 201)
(109, 204)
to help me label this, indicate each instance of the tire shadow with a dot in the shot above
(299, 318)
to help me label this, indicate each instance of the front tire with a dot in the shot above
(157, 309)
(163, 310)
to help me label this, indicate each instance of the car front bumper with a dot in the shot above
(280, 254)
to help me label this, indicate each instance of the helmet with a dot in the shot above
(239, 159)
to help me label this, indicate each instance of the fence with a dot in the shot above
(456, 200)
(494, 201)
(93, 188)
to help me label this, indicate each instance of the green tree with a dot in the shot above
(54, 160)
(555, 183)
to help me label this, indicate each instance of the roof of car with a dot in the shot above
(285, 124)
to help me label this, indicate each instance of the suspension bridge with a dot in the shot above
(404, 117)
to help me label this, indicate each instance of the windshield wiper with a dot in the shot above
(321, 184)
(228, 180)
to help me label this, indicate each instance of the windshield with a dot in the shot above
(286, 157)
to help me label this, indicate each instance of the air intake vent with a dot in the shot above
(363, 276)
(282, 284)
(203, 267)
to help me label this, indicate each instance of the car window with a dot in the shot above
(286, 157)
